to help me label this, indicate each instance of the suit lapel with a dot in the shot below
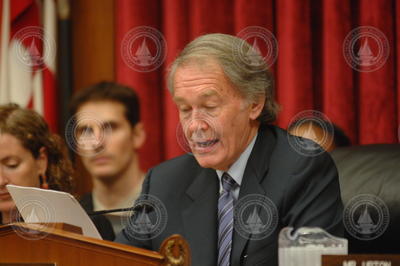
(255, 172)
(200, 216)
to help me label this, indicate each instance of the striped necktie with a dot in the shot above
(225, 219)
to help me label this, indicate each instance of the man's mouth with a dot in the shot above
(203, 146)
(207, 143)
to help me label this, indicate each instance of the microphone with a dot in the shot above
(136, 208)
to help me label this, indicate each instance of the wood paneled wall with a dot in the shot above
(93, 54)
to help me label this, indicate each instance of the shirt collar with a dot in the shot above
(236, 171)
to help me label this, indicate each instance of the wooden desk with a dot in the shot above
(72, 249)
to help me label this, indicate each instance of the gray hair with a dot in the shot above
(252, 80)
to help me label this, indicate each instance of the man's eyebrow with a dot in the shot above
(207, 94)
(98, 123)
(178, 99)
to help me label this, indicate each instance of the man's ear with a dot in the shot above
(256, 108)
(42, 161)
(138, 135)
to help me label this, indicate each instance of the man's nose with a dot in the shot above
(92, 140)
(198, 125)
(99, 145)
(98, 140)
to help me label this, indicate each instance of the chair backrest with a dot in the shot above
(364, 171)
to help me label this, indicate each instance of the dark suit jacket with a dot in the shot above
(305, 190)
(102, 224)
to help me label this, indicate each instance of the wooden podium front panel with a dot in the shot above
(69, 249)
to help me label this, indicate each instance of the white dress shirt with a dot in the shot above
(236, 170)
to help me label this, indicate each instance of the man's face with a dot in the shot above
(218, 122)
(105, 139)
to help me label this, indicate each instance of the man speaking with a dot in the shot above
(243, 181)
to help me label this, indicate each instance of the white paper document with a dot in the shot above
(49, 206)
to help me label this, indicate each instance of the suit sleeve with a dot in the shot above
(313, 196)
(124, 237)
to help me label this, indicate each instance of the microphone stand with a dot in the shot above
(93, 213)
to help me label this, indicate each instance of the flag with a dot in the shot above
(28, 56)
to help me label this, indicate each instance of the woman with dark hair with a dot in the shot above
(30, 155)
